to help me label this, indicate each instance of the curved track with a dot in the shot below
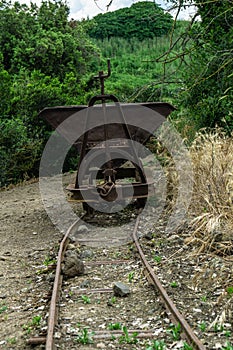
(174, 315)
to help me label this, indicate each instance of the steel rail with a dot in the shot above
(53, 311)
(178, 317)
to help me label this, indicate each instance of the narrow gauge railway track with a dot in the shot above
(159, 302)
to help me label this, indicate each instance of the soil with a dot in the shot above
(199, 284)
(27, 235)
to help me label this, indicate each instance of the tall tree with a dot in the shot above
(142, 20)
(43, 59)
(42, 38)
(208, 77)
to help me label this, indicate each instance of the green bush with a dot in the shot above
(19, 155)
(142, 20)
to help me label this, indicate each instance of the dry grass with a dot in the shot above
(211, 210)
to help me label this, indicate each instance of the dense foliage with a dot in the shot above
(41, 38)
(43, 62)
(142, 20)
(47, 60)
(136, 75)
(207, 100)
(212, 90)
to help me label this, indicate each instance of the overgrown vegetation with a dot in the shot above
(142, 20)
(136, 76)
(44, 61)
(47, 60)
(210, 212)
(206, 61)
(212, 203)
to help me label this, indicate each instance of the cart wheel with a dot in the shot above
(141, 202)
(88, 209)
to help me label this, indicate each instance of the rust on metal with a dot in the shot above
(108, 262)
(55, 116)
(175, 315)
(178, 317)
(92, 291)
(98, 126)
(140, 334)
(36, 340)
(103, 76)
(114, 136)
(124, 191)
(53, 311)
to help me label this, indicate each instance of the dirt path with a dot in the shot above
(201, 286)
(26, 235)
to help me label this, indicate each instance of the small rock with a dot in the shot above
(100, 345)
(110, 303)
(83, 228)
(175, 238)
(72, 266)
(57, 335)
(85, 284)
(149, 236)
(41, 307)
(7, 253)
(50, 277)
(197, 310)
(116, 208)
(71, 246)
(72, 253)
(179, 345)
(120, 289)
(86, 254)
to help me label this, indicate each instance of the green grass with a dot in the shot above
(85, 337)
(174, 284)
(3, 308)
(85, 299)
(131, 276)
(114, 326)
(36, 320)
(156, 345)
(202, 326)
(229, 290)
(127, 338)
(136, 73)
(48, 261)
(11, 340)
(187, 347)
(174, 331)
(157, 258)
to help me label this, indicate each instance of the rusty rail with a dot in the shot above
(177, 316)
(53, 312)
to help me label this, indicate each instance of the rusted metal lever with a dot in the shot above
(108, 190)
(103, 76)
(109, 174)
